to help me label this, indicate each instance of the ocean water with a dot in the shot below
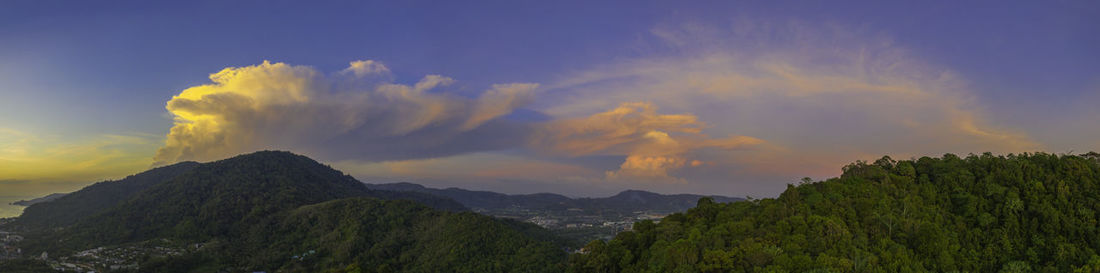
(9, 210)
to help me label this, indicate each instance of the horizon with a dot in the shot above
(731, 98)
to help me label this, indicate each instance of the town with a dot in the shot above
(122, 258)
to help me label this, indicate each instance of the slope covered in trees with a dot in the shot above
(277, 211)
(982, 213)
(216, 199)
(372, 235)
(97, 197)
(47, 198)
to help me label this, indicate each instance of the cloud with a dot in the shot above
(357, 113)
(653, 144)
(500, 101)
(744, 107)
(822, 92)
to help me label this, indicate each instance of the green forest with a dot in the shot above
(280, 212)
(372, 235)
(982, 213)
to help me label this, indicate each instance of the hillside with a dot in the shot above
(626, 202)
(73, 207)
(369, 232)
(255, 211)
(1015, 213)
(371, 235)
(221, 198)
(47, 198)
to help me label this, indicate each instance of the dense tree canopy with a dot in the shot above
(281, 212)
(372, 235)
(982, 213)
(95, 198)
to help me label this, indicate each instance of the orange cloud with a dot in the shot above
(813, 91)
(654, 144)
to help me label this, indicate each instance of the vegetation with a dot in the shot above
(279, 212)
(371, 235)
(71, 208)
(982, 213)
(276, 211)
(24, 266)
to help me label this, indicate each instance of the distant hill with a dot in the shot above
(47, 198)
(254, 212)
(626, 201)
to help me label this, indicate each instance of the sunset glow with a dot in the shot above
(734, 98)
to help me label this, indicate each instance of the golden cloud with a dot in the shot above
(654, 144)
(355, 113)
(825, 93)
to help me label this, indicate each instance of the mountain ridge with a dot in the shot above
(278, 211)
(88, 201)
(490, 200)
(43, 199)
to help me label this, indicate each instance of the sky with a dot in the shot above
(735, 98)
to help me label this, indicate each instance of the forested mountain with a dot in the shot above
(97, 197)
(47, 198)
(982, 213)
(280, 212)
(403, 236)
(372, 235)
(193, 201)
(626, 201)
(277, 210)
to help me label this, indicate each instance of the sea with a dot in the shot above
(9, 210)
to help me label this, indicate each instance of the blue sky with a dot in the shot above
(85, 86)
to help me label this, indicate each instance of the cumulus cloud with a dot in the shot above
(756, 105)
(653, 143)
(357, 113)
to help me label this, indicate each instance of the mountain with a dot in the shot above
(982, 213)
(254, 212)
(626, 201)
(97, 197)
(47, 198)
(371, 232)
(193, 201)
(373, 235)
